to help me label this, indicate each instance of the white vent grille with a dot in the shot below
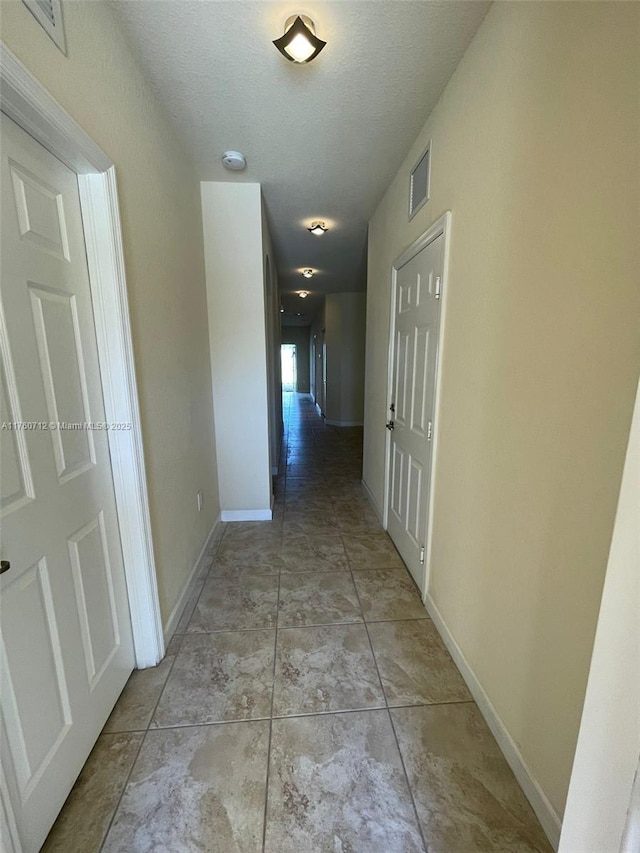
(420, 182)
(48, 13)
(47, 9)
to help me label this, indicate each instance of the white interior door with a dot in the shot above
(66, 647)
(415, 349)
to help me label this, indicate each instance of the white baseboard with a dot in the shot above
(246, 515)
(176, 613)
(547, 815)
(373, 502)
(343, 423)
(319, 410)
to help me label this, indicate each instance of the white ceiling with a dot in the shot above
(323, 139)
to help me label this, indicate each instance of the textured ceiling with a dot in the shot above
(323, 139)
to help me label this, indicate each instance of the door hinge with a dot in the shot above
(429, 430)
(438, 286)
(422, 555)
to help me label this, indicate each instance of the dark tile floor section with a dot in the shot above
(306, 703)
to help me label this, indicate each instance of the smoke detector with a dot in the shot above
(234, 160)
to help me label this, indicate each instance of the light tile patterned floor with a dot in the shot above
(307, 702)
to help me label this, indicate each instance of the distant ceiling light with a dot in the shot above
(303, 294)
(234, 160)
(299, 42)
(318, 228)
(307, 273)
(282, 309)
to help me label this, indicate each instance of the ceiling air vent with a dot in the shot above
(48, 13)
(420, 181)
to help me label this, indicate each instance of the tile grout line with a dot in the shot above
(145, 732)
(273, 690)
(393, 728)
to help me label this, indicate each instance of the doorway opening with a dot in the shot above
(288, 360)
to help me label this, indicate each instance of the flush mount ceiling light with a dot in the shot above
(318, 228)
(303, 294)
(308, 273)
(299, 42)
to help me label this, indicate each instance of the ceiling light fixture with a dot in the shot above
(308, 273)
(318, 228)
(299, 42)
(303, 294)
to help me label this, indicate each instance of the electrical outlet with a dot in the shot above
(199, 499)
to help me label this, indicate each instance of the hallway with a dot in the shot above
(306, 702)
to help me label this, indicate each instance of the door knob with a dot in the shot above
(5, 565)
(390, 426)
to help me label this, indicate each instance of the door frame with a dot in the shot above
(441, 227)
(29, 105)
(312, 368)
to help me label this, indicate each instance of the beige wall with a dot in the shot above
(345, 324)
(234, 259)
(535, 152)
(300, 336)
(317, 325)
(100, 85)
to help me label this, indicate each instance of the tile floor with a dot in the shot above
(306, 703)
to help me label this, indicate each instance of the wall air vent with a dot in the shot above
(420, 182)
(48, 13)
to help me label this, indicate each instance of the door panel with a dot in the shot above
(16, 484)
(66, 648)
(33, 676)
(416, 319)
(40, 212)
(55, 319)
(93, 583)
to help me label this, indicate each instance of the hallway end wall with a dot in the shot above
(534, 150)
(101, 86)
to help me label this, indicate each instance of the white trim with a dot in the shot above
(187, 589)
(426, 153)
(343, 423)
(246, 515)
(318, 409)
(9, 835)
(547, 815)
(30, 105)
(372, 500)
(441, 226)
(105, 257)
